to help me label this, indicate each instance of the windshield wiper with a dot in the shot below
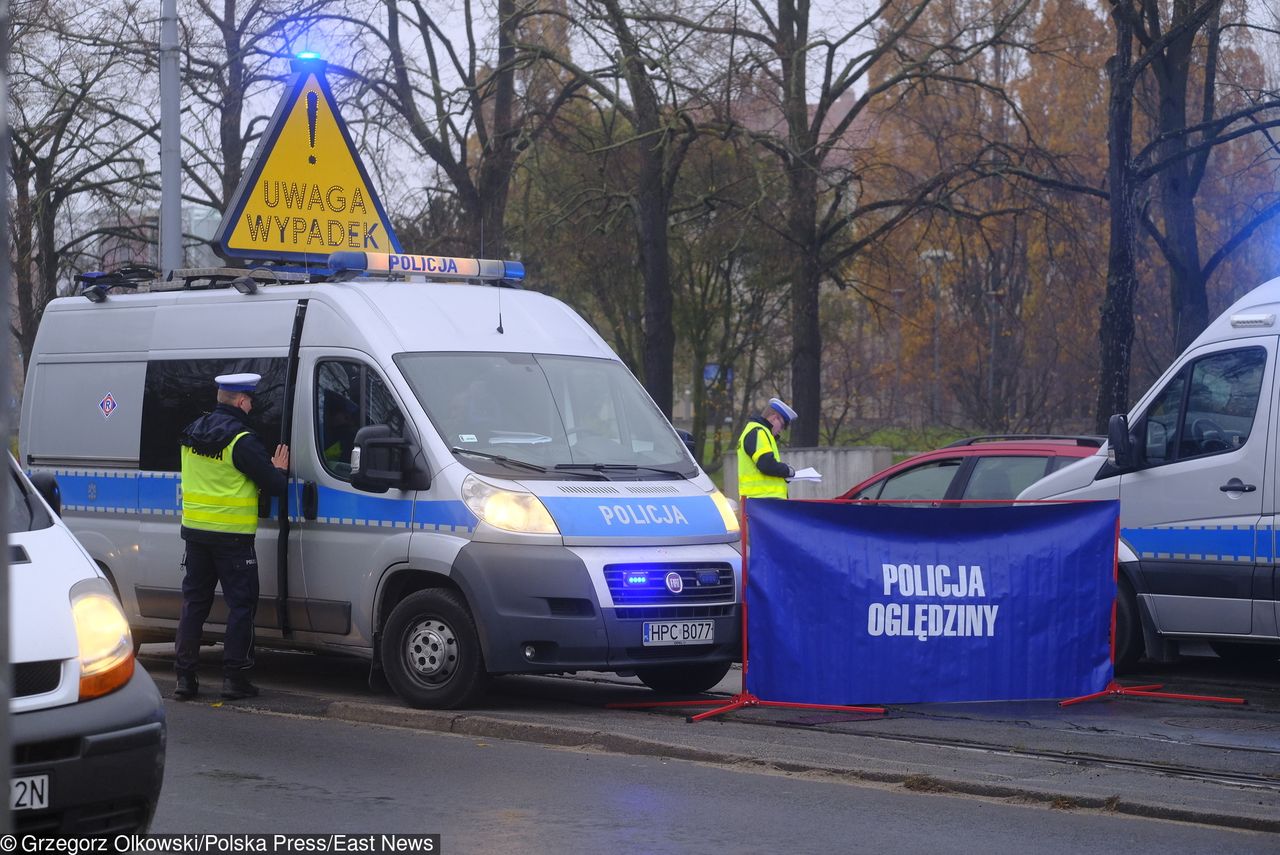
(621, 467)
(516, 462)
(500, 458)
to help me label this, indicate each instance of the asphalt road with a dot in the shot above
(1205, 764)
(242, 769)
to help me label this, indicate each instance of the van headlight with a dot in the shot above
(509, 510)
(106, 646)
(727, 511)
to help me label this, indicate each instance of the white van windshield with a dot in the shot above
(564, 415)
(24, 511)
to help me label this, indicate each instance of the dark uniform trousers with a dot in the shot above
(234, 565)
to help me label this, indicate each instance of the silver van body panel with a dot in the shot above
(344, 561)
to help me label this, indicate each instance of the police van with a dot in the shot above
(1196, 465)
(478, 484)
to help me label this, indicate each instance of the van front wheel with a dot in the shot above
(683, 679)
(431, 651)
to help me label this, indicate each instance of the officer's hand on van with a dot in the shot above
(280, 459)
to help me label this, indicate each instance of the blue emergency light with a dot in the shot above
(348, 264)
(308, 55)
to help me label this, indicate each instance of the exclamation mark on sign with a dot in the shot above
(311, 123)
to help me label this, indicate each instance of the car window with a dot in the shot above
(1221, 402)
(349, 396)
(926, 481)
(1208, 408)
(1003, 477)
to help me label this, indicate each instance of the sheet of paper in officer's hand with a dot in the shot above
(806, 474)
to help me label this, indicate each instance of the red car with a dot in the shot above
(978, 468)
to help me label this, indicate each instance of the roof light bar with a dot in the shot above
(347, 264)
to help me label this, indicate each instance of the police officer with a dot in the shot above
(224, 465)
(761, 473)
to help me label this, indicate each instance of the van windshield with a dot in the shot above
(570, 416)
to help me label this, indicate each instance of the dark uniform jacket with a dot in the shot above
(211, 433)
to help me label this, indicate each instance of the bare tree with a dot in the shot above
(1177, 157)
(469, 98)
(821, 88)
(77, 159)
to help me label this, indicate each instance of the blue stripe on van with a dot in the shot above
(1197, 543)
(104, 492)
(669, 516)
(159, 494)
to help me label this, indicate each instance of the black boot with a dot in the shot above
(187, 688)
(238, 686)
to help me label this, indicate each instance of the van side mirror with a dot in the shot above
(382, 459)
(1120, 449)
(47, 486)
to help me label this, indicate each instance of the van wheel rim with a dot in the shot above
(431, 651)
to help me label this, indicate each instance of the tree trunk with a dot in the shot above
(1189, 304)
(497, 163)
(806, 332)
(1116, 324)
(659, 332)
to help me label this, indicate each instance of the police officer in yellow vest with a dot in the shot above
(761, 472)
(224, 465)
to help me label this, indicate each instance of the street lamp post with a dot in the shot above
(937, 257)
(170, 141)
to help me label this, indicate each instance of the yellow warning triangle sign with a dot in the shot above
(306, 193)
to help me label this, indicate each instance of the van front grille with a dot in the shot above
(673, 612)
(36, 678)
(648, 584)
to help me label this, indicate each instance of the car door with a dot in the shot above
(344, 538)
(1194, 511)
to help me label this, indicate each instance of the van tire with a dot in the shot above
(431, 651)
(1129, 646)
(684, 679)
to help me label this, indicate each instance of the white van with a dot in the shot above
(479, 485)
(86, 723)
(1195, 466)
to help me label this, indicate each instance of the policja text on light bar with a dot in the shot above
(347, 264)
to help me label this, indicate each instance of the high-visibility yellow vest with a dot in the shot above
(216, 496)
(751, 481)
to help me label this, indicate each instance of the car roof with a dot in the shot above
(1047, 445)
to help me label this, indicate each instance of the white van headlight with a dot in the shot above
(727, 511)
(106, 646)
(509, 510)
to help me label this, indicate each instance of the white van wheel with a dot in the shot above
(431, 651)
(684, 679)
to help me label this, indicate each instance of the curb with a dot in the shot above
(469, 724)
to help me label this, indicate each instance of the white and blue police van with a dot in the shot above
(1196, 467)
(479, 486)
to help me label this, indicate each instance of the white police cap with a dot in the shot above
(783, 410)
(238, 382)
